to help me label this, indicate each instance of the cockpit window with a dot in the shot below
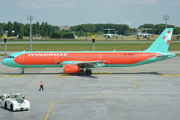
(10, 56)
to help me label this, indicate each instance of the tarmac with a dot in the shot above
(147, 92)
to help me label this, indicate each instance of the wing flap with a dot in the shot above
(86, 63)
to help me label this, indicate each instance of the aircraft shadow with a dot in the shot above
(82, 74)
(58, 74)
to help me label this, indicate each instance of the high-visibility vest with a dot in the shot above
(41, 84)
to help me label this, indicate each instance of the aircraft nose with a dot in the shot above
(4, 62)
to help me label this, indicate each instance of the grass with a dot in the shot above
(84, 47)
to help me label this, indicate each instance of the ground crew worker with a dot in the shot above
(41, 85)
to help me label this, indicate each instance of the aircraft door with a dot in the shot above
(99, 57)
(21, 58)
(56, 59)
(145, 56)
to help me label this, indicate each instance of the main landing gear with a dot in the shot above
(22, 72)
(88, 72)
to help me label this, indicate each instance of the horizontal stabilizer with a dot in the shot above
(164, 55)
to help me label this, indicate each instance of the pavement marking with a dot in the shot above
(12, 88)
(49, 110)
(170, 75)
(3, 78)
(103, 94)
(64, 75)
(27, 86)
(135, 70)
(14, 75)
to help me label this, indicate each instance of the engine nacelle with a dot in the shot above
(71, 69)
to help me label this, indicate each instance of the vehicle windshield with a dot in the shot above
(13, 96)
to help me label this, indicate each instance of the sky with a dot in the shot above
(75, 12)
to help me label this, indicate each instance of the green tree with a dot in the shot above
(5, 27)
(176, 30)
(54, 30)
(26, 30)
(68, 35)
(56, 35)
(18, 29)
(15, 28)
(49, 30)
(34, 30)
(10, 29)
(1, 26)
(45, 29)
(42, 29)
(37, 28)
(80, 33)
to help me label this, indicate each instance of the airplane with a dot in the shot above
(145, 35)
(109, 35)
(77, 61)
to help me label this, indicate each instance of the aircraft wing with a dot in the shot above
(85, 63)
(90, 63)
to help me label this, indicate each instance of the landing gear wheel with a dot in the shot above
(88, 72)
(22, 72)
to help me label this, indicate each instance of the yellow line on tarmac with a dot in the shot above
(135, 70)
(14, 75)
(49, 110)
(170, 75)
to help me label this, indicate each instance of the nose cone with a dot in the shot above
(4, 62)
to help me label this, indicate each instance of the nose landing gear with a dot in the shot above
(22, 72)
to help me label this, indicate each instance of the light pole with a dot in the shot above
(93, 40)
(30, 18)
(166, 17)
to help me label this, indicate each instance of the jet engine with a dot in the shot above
(72, 69)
